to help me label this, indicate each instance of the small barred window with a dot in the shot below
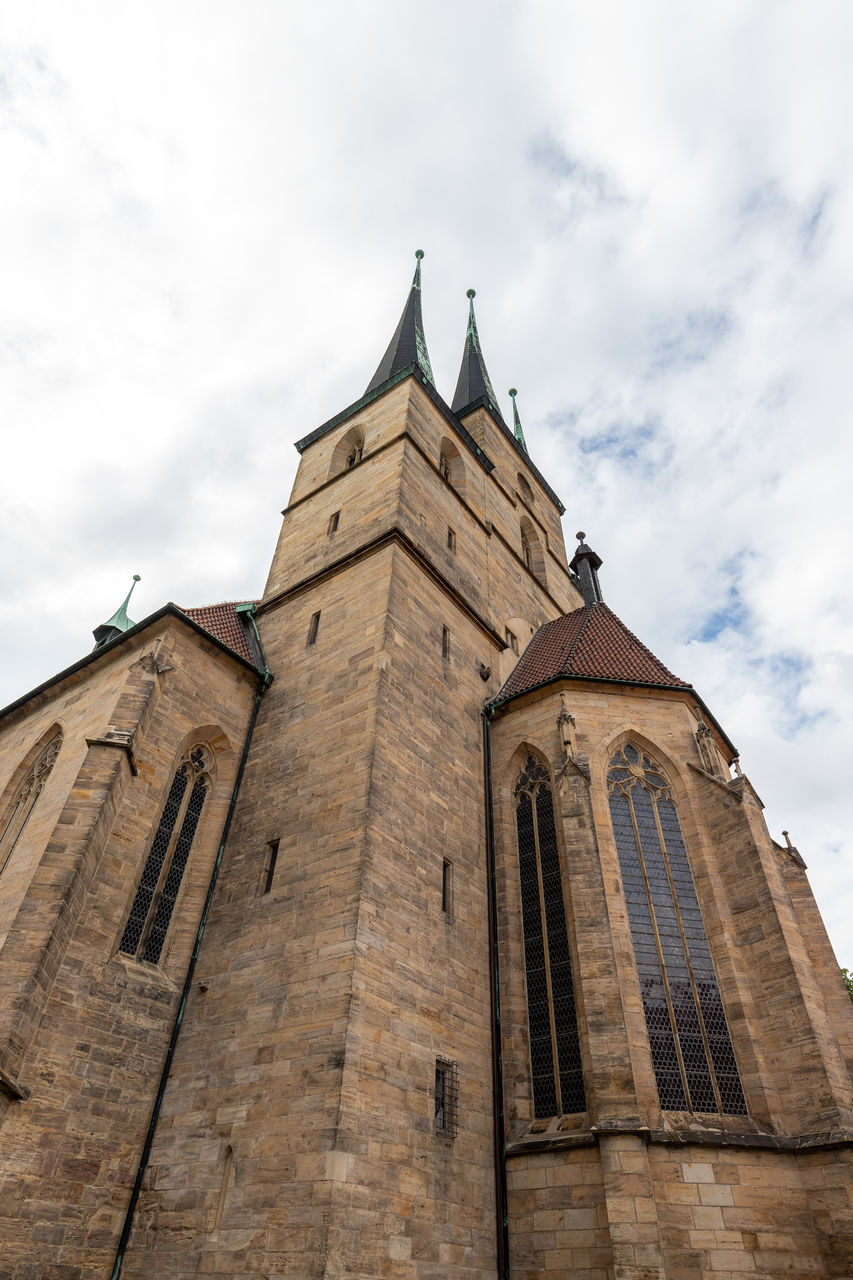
(145, 931)
(691, 1048)
(555, 1060)
(446, 1098)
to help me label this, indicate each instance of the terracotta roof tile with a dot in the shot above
(226, 624)
(589, 644)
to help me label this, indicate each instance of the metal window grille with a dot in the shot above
(446, 1098)
(691, 1047)
(145, 931)
(555, 1062)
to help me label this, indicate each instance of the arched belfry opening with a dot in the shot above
(531, 549)
(348, 452)
(451, 466)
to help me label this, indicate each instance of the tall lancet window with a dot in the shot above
(145, 931)
(26, 794)
(692, 1053)
(554, 1049)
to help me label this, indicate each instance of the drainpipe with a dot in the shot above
(501, 1207)
(176, 1029)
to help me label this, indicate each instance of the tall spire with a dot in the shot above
(118, 623)
(474, 382)
(586, 564)
(516, 421)
(408, 346)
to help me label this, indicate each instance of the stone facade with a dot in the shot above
(342, 1099)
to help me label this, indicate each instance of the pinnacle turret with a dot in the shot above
(516, 421)
(408, 345)
(586, 564)
(118, 623)
(474, 382)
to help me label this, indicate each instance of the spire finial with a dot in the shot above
(408, 345)
(119, 622)
(586, 564)
(516, 421)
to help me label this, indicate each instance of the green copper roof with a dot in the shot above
(519, 434)
(408, 345)
(118, 623)
(474, 382)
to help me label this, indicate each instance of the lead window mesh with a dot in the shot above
(691, 1048)
(554, 1047)
(148, 922)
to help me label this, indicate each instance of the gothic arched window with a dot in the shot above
(451, 466)
(692, 1052)
(348, 452)
(531, 549)
(554, 1049)
(145, 931)
(26, 794)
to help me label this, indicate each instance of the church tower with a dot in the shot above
(414, 921)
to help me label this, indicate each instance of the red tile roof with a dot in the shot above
(589, 644)
(226, 624)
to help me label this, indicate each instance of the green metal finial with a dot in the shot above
(419, 253)
(120, 620)
(519, 434)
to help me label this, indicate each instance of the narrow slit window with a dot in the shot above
(555, 1060)
(692, 1052)
(313, 628)
(272, 858)
(447, 887)
(334, 521)
(451, 539)
(446, 1098)
(445, 644)
(145, 932)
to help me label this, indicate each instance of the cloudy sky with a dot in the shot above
(207, 223)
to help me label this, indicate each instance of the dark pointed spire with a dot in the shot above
(474, 382)
(586, 564)
(408, 346)
(516, 421)
(118, 623)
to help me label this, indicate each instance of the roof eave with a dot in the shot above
(167, 610)
(499, 704)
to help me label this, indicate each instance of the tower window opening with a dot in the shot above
(555, 1060)
(145, 931)
(451, 467)
(313, 628)
(691, 1048)
(334, 521)
(355, 455)
(444, 465)
(271, 861)
(512, 640)
(447, 887)
(445, 644)
(446, 1098)
(451, 539)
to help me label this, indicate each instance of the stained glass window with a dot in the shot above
(691, 1048)
(554, 1048)
(145, 931)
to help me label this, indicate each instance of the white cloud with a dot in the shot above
(205, 240)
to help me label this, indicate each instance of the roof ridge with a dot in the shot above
(569, 658)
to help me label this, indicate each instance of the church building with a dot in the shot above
(413, 921)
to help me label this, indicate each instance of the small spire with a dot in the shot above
(586, 564)
(118, 623)
(474, 382)
(516, 421)
(408, 345)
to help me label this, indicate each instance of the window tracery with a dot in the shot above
(24, 799)
(145, 931)
(691, 1048)
(558, 1086)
